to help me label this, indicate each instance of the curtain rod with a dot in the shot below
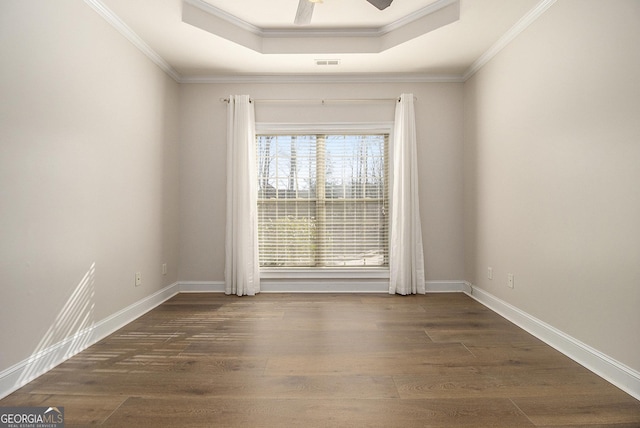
(321, 101)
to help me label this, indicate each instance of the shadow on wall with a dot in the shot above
(73, 324)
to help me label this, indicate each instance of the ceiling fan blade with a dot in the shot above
(303, 15)
(380, 4)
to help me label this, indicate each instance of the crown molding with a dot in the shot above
(418, 14)
(232, 19)
(324, 78)
(131, 35)
(508, 37)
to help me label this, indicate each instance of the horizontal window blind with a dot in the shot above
(322, 200)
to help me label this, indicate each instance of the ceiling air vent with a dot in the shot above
(327, 62)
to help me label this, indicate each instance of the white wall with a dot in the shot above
(88, 174)
(552, 173)
(202, 181)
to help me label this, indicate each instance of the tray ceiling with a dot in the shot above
(231, 39)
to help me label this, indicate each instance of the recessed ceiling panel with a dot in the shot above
(329, 13)
(305, 40)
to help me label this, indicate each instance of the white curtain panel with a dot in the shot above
(406, 255)
(242, 270)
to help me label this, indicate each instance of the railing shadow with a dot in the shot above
(69, 333)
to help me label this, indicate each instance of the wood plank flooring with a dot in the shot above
(326, 360)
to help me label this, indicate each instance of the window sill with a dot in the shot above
(324, 273)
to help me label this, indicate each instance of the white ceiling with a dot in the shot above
(222, 51)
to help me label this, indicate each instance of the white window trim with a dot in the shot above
(374, 273)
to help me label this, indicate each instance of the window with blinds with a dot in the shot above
(323, 200)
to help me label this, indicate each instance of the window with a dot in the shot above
(322, 199)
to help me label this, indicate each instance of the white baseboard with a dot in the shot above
(447, 286)
(604, 366)
(18, 375)
(322, 286)
(201, 286)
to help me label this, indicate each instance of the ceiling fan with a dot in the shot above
(305, 9)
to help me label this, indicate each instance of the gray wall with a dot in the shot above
(552, 174)
(439, 108)
(88, 174)
(108, 167)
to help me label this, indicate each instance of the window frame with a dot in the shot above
(320, 273)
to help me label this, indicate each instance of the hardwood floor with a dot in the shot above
(326, 360)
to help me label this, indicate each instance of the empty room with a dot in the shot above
(320, 213)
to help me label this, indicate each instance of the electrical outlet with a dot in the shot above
(138, 279)
(164, 268)
(490, 272)
(510, 280)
